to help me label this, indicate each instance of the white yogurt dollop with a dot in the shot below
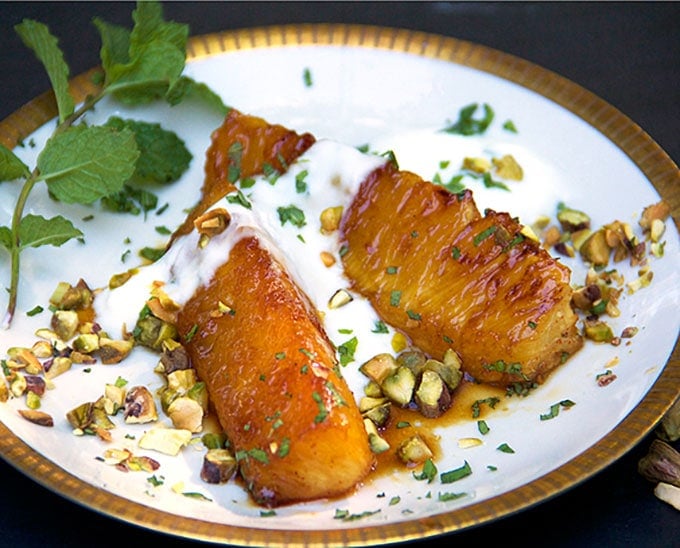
(327, 175)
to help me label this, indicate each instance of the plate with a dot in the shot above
(392, 89)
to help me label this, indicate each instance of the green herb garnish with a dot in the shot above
(84, 163)
(293, 215)
(467, 124)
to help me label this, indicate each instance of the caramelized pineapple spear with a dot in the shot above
(242, 147)
(273, 379)
(447, 277)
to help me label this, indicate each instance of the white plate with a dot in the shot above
(392, 97)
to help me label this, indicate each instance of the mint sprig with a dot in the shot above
(37, 36)
(82, 163)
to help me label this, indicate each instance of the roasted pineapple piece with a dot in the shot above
(244, 146)
(447, 277)
(273, 379)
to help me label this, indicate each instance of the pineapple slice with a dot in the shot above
(273, 379)
(447, 277)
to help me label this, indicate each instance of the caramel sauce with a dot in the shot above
(465, 395)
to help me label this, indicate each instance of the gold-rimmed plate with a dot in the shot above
(389, 88)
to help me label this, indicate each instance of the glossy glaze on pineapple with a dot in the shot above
(448, 277)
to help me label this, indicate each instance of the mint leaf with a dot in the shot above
(115, 44)
(151, 27)
(6, 237)
(83, 164)
(35, 231)
(130, 200)
(148, 76)
(10, 166)
(292, 214)
(163, 156)
(155, 58)
(467, 124)
(45, 46)
(187, 88)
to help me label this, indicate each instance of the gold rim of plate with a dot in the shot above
(618, 128)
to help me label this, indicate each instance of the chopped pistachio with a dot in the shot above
(139, 406)
(376, 442)
(340, 298)
(174, 357)
(399, 342)
(478, 165)
(642, 281)
(26, 359)
(373, 390)
(661, 463)
(65, 323)
(412, 358)
(330, 219)
(660, 210)
(466, 443)
(551, 236)
(657, 230)
(51, 337)
(213, 222)
(120, 279)
(414, 450)
(507, 167)
(580, 236)
(68, 297)
(598, 331)
(86, 343)
(37, 417)
(595, 250)
(59, 365)
(528, 232)
(114, 351)
(219, 466)
(32, 400)
(376, 409)
(152, 331)
(379, 367)
(42, 349)
(572, 220)
(432, 396)
(116, 395)
(80, 417)
(182, 380)
(668, 493)
(399, 386)
(186, 414)
(165, 440)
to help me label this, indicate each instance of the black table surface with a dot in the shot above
(626, 53)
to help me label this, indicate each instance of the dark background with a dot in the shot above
(626, 53)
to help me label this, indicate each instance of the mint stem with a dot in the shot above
(29, 183)
(15, 251)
